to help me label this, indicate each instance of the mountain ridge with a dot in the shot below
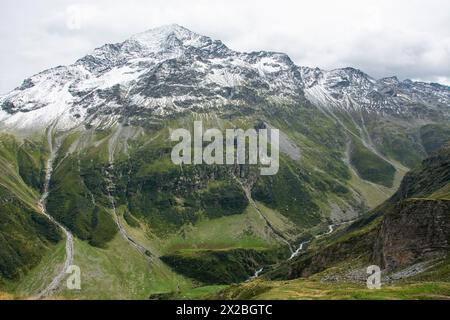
(136, 76)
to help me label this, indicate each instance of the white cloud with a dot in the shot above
(408, 38)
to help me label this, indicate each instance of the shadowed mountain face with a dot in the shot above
(346, 141)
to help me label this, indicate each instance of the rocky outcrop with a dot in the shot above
(416, 224)
(413, 231)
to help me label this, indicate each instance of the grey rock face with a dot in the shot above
(414, 231)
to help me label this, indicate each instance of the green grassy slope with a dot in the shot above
(301, 289)
(25, 235)
(371, 167)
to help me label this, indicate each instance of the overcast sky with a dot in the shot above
(407, 38)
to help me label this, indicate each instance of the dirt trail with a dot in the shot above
(54, 284)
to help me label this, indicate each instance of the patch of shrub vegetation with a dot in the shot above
(25, 236)
(31, 165)
(222, 199)
(130, 220)
(168, 196)
(371, 167)
(71, 202)
(219, 266)
(434, 137)
(288, 192)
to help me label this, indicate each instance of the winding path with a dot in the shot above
(54, 284)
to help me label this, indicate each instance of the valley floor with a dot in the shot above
(301, 289)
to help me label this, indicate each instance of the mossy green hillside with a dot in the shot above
(370, 166)
(25, 234)
(120, 272)
(302, 289)
(220, 266)
(72, 203)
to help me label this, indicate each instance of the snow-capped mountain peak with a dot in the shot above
(171, 69)
(154, 45)
(162, 37)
